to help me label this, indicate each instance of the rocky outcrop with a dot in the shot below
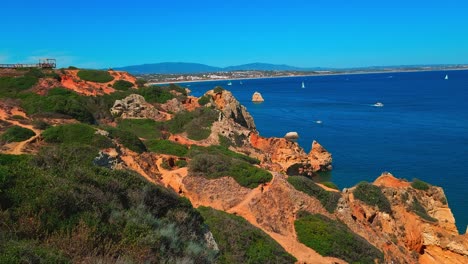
(135, 106)
(319, 157)
(231, 108)
(291, 136)
(173, 106)
(257, 97)
(71, 81)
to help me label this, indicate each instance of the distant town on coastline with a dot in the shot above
(186, 72)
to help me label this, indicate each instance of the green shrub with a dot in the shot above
(197, 123)
(372, 195)
(95, 76)
(16, 134)
(224, 141)
(166, 147)
(38, 124)
(177, 88)
(420, 185)
(218, 89)
(58, 204)
(155, 94)
(329, 200)
(143, 128)
(241, 242)
(59, 101)
(71, 133)
(181, 163)
(204, 100)
(122, 85)
(11, 86)
(141, 82)
(72, 68)
(127, 139)
(18, 117)
(330, 185)
(421, 211)
(215, 166)
(333, 238)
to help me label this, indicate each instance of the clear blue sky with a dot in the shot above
(324, 33)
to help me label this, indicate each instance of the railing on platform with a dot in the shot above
(43, 63)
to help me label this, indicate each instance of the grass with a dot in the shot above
(143, 128)
(419, 185)
(57, 207)
(95, 76)
(127, 139)
(197, 123)
(214, 166)
(11, 86)
(241, 242)
(330, 185)
(333, 238)
(166, 147)
(220, 150)
(329, 200)
(122, 85)
(372, 195)
(155, 94)
(417, 208)
(204, 100)
(16, 134)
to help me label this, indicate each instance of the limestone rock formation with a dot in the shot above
(257, 97)
(319, 157)
(291, 136)
(173, 106)
(228, 104)
(135, 106)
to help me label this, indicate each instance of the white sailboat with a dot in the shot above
(446, 77)
(229, 83)
(303, 85)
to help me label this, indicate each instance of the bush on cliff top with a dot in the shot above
(166, 147)
(241, 242)
(57, 208)
(329, 200)
(122, 85)
(143, 128)
(372, 195)
(95, 76)
(11, 86)
(197, 123)
(127, 139)
(332, 238)
(420, 185)
(16, 134)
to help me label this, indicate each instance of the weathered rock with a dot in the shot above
(291, 136)
(135, 106)
(231, 108)
(109, 158)
(319, 157)
(173, 106)
(257, 97)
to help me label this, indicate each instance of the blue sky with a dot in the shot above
(324, 33)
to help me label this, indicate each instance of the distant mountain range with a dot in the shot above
(184, 68)
(193, 68)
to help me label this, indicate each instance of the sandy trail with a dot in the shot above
(18, 148)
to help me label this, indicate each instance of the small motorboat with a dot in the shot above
(378, 104)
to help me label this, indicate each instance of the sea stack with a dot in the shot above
(291, 136)
(257, 97)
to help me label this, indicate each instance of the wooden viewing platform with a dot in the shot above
(43, 64)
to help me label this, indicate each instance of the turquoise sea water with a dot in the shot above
(421, 132)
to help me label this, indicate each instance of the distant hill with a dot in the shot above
(183, 68)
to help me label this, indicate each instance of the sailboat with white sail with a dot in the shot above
(303, 85)
(446, 77)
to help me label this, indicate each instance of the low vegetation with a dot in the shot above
(220, 150)
(156, 94)
(240, 242)
(329, 200)
(330, 185)
(420, 185)
(166, 147)
(11, 86)
(204, 100)
(122, 85)
(143, 128)
(16, 134)
(57, 207)
(214, 166)
(197, 123)
(418, 209)
(332, 238)
(127, 139)
(95, 76)
(372, 195)
(80, 134)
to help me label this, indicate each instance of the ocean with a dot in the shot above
(420, 132)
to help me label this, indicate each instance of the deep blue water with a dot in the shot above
(421, 132)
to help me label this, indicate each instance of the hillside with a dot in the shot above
(97, 167)
(186, 68)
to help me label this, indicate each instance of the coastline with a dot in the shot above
(310, 75)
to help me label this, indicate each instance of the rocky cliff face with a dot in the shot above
(231, 108)
(135, 106)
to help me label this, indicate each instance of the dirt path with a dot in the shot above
(18, 147)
